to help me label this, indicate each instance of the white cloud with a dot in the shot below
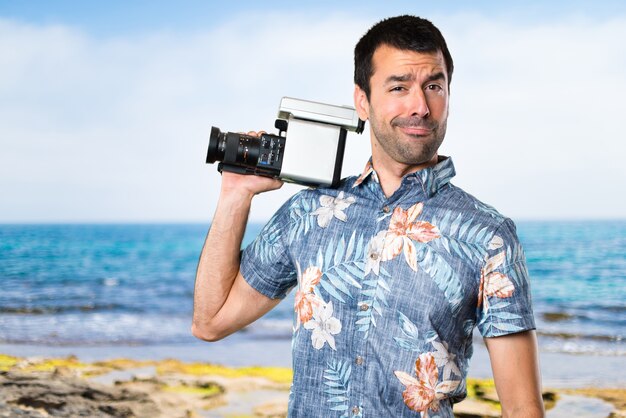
(536, 118)
(116, 128)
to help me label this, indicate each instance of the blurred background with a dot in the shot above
(105, 108)
(105, 112)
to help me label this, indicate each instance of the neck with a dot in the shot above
(391, 172)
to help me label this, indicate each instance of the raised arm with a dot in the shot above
(515, 366)
(223, 301)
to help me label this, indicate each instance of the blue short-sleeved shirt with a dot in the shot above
(389, 291)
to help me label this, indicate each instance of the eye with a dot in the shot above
(434, 87)
(397, 88)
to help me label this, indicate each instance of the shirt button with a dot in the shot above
(386, 209)
(364, 307)
(355, 410)
(358, 360)
(374, 256)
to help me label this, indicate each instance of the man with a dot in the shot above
(394, 268)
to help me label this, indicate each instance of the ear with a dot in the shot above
(361, 103)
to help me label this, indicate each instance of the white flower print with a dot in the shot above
(332, 207)
(324, 326)
(443, 358)
(374, 250)
(496, 243)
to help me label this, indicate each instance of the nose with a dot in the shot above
(418, 106)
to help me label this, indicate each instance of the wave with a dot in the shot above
(616, 308)
(558, 316)
(608, 319)
(50, 341)
(51, 310)
(269, 329)
(580, 336)
(579, 347)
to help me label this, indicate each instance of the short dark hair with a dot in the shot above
(402, 32)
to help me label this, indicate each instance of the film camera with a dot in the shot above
(308, 149)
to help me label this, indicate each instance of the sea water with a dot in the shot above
(121, 284)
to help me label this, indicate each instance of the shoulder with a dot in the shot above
(305, 201)
(344, 189)
(458, 200)
(463, 217)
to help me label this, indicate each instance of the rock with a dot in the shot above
(52, 394)
(63, 371)
(615, 396)
(29, 361)
(178, 397)
(557, 316)
(276, 409)
(473, 408)
(8, 411)
(489, 394)
(549, 399)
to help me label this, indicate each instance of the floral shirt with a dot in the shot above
(389, 291)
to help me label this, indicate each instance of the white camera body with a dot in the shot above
(315, 140)
(308, 149)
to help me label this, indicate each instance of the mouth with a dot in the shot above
(416, 130)
(413, 126)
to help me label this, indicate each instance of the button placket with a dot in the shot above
(358, 369)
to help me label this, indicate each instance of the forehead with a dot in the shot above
(388, 61)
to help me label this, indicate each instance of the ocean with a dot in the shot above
(119, 284)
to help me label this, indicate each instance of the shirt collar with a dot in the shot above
(369, 169)
(431, 178)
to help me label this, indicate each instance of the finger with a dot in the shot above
(278, 184)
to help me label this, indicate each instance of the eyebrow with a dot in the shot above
(436, 76)
(410, 77)
(399, 78)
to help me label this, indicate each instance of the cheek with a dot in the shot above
(437, 101)
(438, 106)
(389, 109)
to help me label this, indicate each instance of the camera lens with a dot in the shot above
(232, 148)
(246, 154)
(217, 146)
(248, 150)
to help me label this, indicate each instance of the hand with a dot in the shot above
(248, 185)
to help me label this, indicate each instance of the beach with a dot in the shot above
(559, 370)
(100, 315)
(233, 379)
(252, 371)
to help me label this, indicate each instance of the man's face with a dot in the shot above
(408, 105)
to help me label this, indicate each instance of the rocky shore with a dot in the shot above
(67, 387)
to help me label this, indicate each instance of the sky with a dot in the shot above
(106, 107)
